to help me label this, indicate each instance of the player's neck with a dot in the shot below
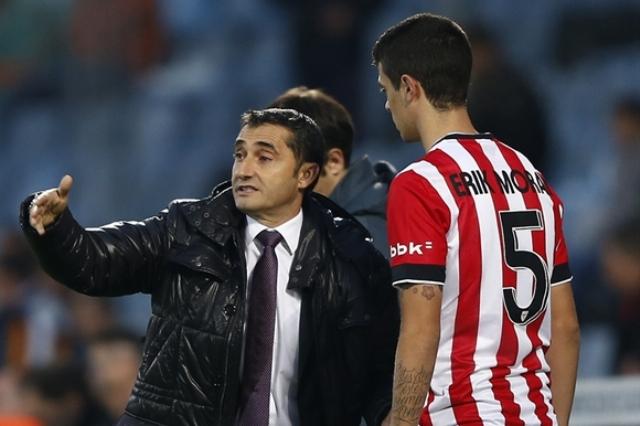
(436, 124)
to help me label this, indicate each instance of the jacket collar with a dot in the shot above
(310, 249)
(360, 177)
(218, 219)
(216, 216)
(364, 187)
(326, 228)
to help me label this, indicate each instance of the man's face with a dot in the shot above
(397, 106)
(267, 182)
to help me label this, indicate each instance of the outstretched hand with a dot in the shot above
(47, 206)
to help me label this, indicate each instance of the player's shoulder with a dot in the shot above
(420, 180)
(532, 169)
(450, 153)
(414, 174)
(434, 164)
(511, 154)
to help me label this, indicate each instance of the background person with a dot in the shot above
(113, 360)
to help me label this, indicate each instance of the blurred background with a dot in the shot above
(139, 100)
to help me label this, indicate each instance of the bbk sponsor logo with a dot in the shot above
(402, 249)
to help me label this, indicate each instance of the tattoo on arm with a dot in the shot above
(426, 291)
(408, 389)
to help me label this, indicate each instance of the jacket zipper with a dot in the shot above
(242, 315)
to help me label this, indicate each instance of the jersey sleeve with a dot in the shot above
(418, 221)
(561, 272)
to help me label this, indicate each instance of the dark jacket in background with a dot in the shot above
(190, 258)
(363, 193)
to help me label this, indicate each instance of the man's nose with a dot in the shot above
(243, 168)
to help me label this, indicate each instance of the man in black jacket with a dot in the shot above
(266, 298)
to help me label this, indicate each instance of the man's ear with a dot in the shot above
(307, 174)
(410, 88)
(335, 164)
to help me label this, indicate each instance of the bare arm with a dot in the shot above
(416, 352)
(563, 352)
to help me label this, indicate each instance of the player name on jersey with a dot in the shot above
(475, 182)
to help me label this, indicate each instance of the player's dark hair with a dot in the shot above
(306, 142)
(331, 116)
(432, 49)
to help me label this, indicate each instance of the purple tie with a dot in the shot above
(256, 380)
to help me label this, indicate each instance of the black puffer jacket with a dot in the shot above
(190, 258)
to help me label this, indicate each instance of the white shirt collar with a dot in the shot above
(290, 231)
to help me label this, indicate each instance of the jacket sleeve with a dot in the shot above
(385, 328)
(113, 260)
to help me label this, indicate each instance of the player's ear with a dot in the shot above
(409, 88)
(335, 162)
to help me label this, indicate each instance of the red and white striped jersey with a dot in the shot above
(475, 216)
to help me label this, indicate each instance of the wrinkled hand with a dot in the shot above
(47, 206)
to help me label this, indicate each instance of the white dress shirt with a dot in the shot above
(283, 408)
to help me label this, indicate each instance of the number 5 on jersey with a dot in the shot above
(512, 221)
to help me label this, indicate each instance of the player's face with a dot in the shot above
(396, 106)
(265, 176)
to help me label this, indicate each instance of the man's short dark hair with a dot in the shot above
(331, 116)
(432, 49)
(306, 142)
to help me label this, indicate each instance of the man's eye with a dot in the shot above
(237, 155)
(265, 158)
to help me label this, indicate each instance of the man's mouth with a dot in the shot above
(246, 189)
